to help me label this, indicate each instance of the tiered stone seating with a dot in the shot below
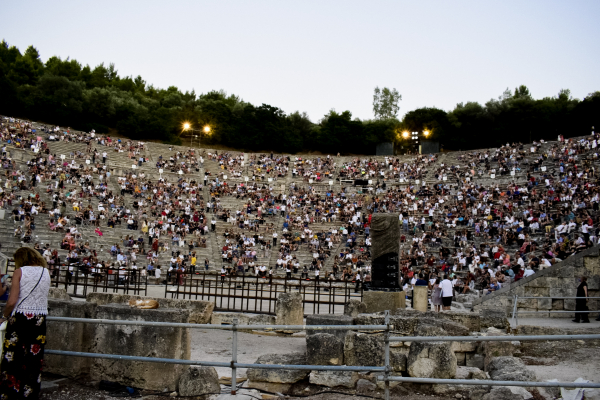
(120, 165)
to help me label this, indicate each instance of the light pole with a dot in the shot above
(188, 127)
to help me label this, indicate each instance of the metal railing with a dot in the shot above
(259, 294)
(385, 369)
(78, 280)
(516, 298)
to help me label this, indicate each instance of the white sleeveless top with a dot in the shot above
(36, 300)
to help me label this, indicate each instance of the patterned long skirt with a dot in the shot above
(23, 357)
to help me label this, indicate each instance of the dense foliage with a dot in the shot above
(66, 93)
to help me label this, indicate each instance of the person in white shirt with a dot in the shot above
(447, 293)
(529, 271)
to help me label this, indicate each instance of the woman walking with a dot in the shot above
(436, 296)
(581, 308)
(25, 337)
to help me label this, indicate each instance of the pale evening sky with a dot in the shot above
(317, 55)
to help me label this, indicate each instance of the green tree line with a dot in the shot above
(66, 93)
(514, 117)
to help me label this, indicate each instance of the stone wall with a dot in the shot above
(559, 280)
(157, 342)
(442, 360)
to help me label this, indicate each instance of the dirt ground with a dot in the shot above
(72, 390)
(569, 365)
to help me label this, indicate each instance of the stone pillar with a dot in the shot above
(385, 234)
(289, 309)
(420, 298)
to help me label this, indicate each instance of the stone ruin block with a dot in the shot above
(148, 341)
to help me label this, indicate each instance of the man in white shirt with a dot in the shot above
(447, 293)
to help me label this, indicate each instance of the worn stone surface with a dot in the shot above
(270, 387)
(279, 375)
(464, 347)
(431, 360)
(364, 387)
(324, 349)
(503, 393)
(495, 318)
(470, 373)
(474, 360)
(58, 294)
(197, 381)
(470, 320)
(426, 329)
(354, 307)
(509, 369)
(364, 349)
(398, 360)
(465, 298)
(517, 391)
(289, 309)
(404, 325)
(79, 337)
(147, 341)
(405, 322)
(226, 318)
(450, 327)
(382, 301)
(200, 311)
(496, 349)
(420, 298)
(328, 319)
(333, 379)
(478, 374)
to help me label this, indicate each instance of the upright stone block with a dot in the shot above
(68, 336)
(381, 301)
(431, 360)
(145, 341)
(289, 309)
(354, 307)
(420, 299)
(199, 381)
(328, 319)
(385, 235)
(324, 349)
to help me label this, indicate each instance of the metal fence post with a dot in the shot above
(234, 358)
(387, 355)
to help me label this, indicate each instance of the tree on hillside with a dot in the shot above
(385, 103)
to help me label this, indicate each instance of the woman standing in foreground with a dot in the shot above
(26, 310)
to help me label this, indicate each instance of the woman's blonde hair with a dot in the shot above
(26, 256)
